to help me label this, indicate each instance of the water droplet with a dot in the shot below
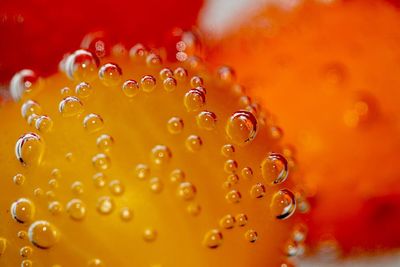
(213, 238)
(22, 210)
(228, 150)
(76, 209)
(105, 142)
(23, 81)
(257, 190)
(29, 149)
(226, 74)
(116, 187)
(153, 60)
(194, 100)
(110, 74)
(175, 125)
(142, 171)
(55, 207)
(160, 155)
(148, 83)
(241, 219)
(193, 143)
(180, 74)
(25, 251)
(251, 235)
(170, 84)
(283, 204)
(130, 88)
(93, 123)
(19, 179)
(99, 180)
(30, 107)
(227, 222)
(101, 162)
(233, 196)
(43, 234)
(81, 66)
(166, 73)
(83, 90)
(247, 173)
(206, 120)
(126, 214)
(196, 81)
(44, 124)
(77, 188)
(230, 166)
(274, 168)
(105, 205)
(186, 191)
(70, 106)
(177, 176)
(241, 127)
(156, 186)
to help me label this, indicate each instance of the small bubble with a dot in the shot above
(206, 120)
(83, 90)
(231, 180)
(186, 191)
(137, 52)
(19, 179)
(194, 100)
(22, 210)
(241, 127)
(291, 249)
(274, 168)
(233, 196)
(153, 60)
(180, 74)
(55, 207)
(29, 149)
(130, 88)
(196, 81)
(300, 233)
(142, 171)
(105, 205)
(65, 91)
(25, 251)
(226, 74)
(213, 239)
(44, 124)
(283, 204)
(26, 263)
(247, 173)
(93, 123)
(69, 157)
(160, 155)
(193, 209)
(110, 74)
(148, 83)
(81, 66)
(170, 84)
(95, 263)
(99, 180)
(3, 245)
(257, 190)
(150, 235)
(193, 143)
(166, 73)
(251, 236)
(22, 235)
(177, 176)
(76, 209)
(116, 187)
(228, 150)
(105, 142)
(230, 166)
(156, 186)
(55, 173)
(30, 107)
(126, 214)
(70, 106)
(77, 188)
(227, 222)
(241, 219)
(42, 234)
(175, 125)
(38, 192)
(101, 162)
(22, 82)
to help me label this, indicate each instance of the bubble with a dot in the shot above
(32, 120)
(50, 194)
(3, 245)
(76, 209)
(300, 233)
(228, 150)
(257, 190)
(226, 74)
(119, 50)
(30, 107)
(247, 173)
(23, 81)
(55, 173)
(193, 143)
(70, 106)
(130, 88)
(193, 209)
(25, 251)
(77, 188)
(29, 149)
(150, 235)
(101, 162)
(175, 125)
(65, 91)
(274, 168)
(142, 171)
(83, 90)
(26, 263)
(43, 234)
(126, 214)
(206, 120)
(241, 127)
(95, 263)
(166, 73)
(116, 187)
(105, 205)
(233, 196)
(230, 166)
(38, 192)
(251, 235)
(22, 235)
(110, 74)
(213, 239)
(55, 207)
(105, 142)
(22, 210)
(231, 180)
(153, 60)
(160, 155)
(81, 66)
(186, 191)
(201, 89)
(241, 219)
(177, 176)
(93, 123)
(194, 100)
(99, 180)
(148, 83)
(196, 81)
(156, 186)
(180, 74)
(95, 42)
(283, 204)
(291, 249)
(170, 84)
(44, 124)
(227, 222)
(137, 52)
(19, 179)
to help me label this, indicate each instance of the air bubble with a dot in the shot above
(180, 74)
(19, 179)
(83, 90)
(227, 222)
(25, 251)
(99, 180)
(81, 66)
(153, 60)
(95, 263)
(226, 74)
(186, 191)
(156, 186)
(257, 190)
(274, 168)
(101, 162)
(29, 149)
(194, 100)
(283, 204)
(70, 106)
(148, 83)
(110, 74)
(22, 210)
(213, 239)
(137, 52)
(233, 196)
(230, 166)
(206, 120)
(247, 173)
(177, 176)
(130, 88)
(30, 107)
(93, 123)
(44, 124)
(175, 125)
(170, 84)
(142, 171)
(77, 188)
(251, 236)
(241, 127)
(105, 205)
(116, 187)
(241, 219)
(105, 142)
(76, 209)
(126, 214)
(55, 207)
(23, 81)
(228, 150)
(193, 143)
(42, 234)
(196, 81)
(160, 155)
(166, 73)
(150, 235)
